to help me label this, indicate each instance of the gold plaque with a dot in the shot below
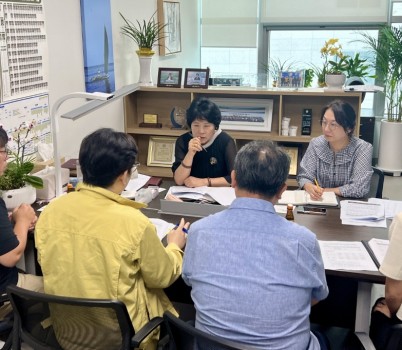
(161, 151)
(150, 118)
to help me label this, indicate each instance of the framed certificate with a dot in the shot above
(161, 151)
(293, 153)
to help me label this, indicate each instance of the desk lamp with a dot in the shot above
(96, 100)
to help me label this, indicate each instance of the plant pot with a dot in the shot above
(390, 147)
(335, 81)
(145, 58)
(14, 198)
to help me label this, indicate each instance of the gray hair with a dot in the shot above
(261, 168)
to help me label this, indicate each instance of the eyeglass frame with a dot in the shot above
(6, 151)
(332, 126)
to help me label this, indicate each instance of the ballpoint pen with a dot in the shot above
(316, 183)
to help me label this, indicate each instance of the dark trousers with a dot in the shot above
(381, 329)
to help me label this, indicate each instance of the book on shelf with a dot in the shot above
(301, 197)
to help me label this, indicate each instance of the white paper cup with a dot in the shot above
(292, 130)
(285, 132)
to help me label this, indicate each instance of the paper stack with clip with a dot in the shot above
(362, 213)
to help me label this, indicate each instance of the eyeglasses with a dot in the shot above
(331, 126)
(6, 152)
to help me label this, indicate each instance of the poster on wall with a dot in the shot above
(26, 111)
(97, 45)
(23, 49)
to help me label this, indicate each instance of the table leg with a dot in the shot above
(363, 313)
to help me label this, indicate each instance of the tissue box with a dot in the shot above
(38, 166)
(49, 182)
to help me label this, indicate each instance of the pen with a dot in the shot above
(201, 145)
(316, 183)
(183, 229)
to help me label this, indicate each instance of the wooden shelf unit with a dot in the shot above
(161, 101)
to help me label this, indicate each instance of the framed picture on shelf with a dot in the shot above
(245, 114)
(169, 16)
(293, 153)
(169, 77)
(196, 78)
(161, 151)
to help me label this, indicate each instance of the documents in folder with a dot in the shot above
(344, 255)
(377, 249)
(301, 197)
(221, 195)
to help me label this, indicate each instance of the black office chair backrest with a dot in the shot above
(6, 325)
(377, 184)
(184, 336)
(74, 323)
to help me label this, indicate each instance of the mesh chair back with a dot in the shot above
(76, 323)
(376, 184)
(184, 336)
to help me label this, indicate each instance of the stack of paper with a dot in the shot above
(392, 208)
(361, 213)
(301, 197)
(222, 195)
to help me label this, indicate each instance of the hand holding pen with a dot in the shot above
(178, 234)
(317, 190)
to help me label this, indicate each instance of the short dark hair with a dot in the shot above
(203, 108)
(3, 137)
(344, 113)
(105, 154)
(261, 168)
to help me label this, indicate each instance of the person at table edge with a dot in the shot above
(205, 155)
(94, 243)
(254, 275)
(337, 161)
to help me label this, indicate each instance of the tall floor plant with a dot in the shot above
(387, 52)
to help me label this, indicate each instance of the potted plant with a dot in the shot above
(275, 67)
(387, 51)
(146, 35)
(16, 184)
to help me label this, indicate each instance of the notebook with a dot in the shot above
(301, 197)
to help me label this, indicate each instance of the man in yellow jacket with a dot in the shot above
(93, 243)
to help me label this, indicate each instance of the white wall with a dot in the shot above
(67, 68)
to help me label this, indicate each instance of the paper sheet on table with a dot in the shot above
(343, 255)
(379, 247)
(162, 227)
(360, 210)
(359, 213)
(136, 184)
(392, 207)
(222, 195)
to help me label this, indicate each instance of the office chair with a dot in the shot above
(6, 325)
(75, 322)
(377, 184)
(184, 336)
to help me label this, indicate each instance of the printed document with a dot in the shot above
(162, 227)
(301, 197)
(222, 195)
(343, 255)
(361, 213)
(392, 207)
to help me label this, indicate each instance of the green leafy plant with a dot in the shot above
(275, 67)
(308, 77)
(17, 174)
(387, 58)
(145, 34)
